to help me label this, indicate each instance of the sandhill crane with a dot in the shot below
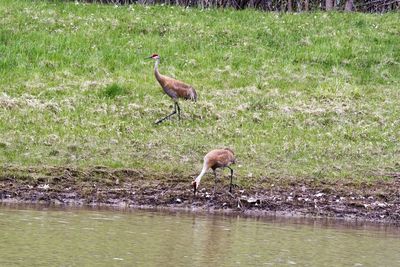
(217, 158)
(173, 88)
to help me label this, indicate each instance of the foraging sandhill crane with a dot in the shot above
(217, 158)
(173, 88)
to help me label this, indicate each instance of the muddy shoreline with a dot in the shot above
(370, 202)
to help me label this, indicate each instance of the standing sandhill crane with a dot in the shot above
(217, 158)
(173, 88)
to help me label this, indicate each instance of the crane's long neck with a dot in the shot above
(203, 171)
(156, 72)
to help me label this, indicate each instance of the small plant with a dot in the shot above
(113, 90)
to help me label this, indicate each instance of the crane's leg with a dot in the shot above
(166, 117)
(230, 186)
(179, 110)
(215, 179)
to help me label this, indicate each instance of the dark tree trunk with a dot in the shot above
(328, 5)
(306, 7)
(289, 6)
(349, 5)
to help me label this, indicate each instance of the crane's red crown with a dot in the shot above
(154, 56)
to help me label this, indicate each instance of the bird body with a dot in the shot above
(217, 158)
(173, 88)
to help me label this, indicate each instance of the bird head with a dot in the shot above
(154, 56)
(194, 184)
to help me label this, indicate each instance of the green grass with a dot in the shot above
(113, 90)
(310, 96)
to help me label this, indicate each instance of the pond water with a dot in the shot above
(90, 237)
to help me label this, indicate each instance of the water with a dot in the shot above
(81, 237)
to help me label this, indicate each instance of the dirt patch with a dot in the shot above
(379, 201)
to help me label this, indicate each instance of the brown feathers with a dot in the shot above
(219, 158)
(174, 89)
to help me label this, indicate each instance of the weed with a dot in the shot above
(112, 91)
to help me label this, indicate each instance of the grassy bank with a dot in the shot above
(312, 96)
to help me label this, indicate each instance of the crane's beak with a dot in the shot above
(148, 57)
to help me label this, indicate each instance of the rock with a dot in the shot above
(45, 186)
(252, 200)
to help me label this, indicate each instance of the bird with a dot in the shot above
(173, 88)
(217, 158)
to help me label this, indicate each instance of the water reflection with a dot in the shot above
(81, 237)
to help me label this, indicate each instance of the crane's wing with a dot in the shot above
(179, 89)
